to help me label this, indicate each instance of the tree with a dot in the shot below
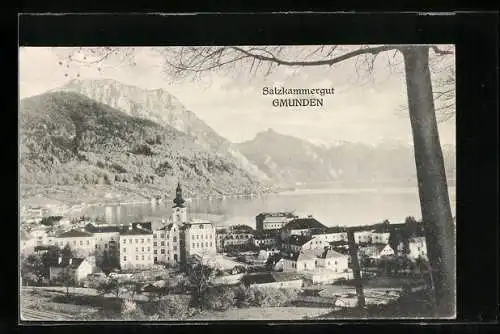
(67, 279)
(432, 184)
(66, 253)
(200, 276)
(132, 288)
(33, 268)
(111, 285)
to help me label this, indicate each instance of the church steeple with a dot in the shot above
(178, 200)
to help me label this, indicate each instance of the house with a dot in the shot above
(380, 237)
(273, 221)
(416, 248)
(265, 239)
(297, 243)
(236, 238)
(79, 269)
(198, 237)
(82, 243)
(333, 260)
(166, 244)
(330, 236)
(297, 262)
(107, 239)
(136, 247)
(363, 237)
(272, 280)
(375, 251)
(301, 226)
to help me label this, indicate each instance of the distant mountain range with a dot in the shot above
(105, 132)
(68, 138)
(290, 160)
(162, 108)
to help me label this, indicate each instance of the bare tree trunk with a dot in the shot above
(432, 184)
(353, 252)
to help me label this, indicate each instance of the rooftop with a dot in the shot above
(137, 231)
(287, 214)
(304, 223)
(91, 228)
(331, 254)
(75, 234)
(298, 240)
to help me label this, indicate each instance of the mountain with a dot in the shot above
(290, 160)
(70, 139)
(162, 108)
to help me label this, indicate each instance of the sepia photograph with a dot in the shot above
(239, 182)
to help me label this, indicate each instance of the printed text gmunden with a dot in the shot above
(298, 102)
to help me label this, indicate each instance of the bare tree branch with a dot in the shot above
(348, 55)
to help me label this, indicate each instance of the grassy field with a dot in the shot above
(264, 313)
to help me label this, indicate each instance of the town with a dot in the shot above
(187, 265)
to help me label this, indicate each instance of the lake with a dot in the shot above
(348, 207)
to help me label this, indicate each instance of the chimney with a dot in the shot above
(59, 260)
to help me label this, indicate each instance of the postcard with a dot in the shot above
(214, 183)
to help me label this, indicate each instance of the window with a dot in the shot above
(174, 239)
(112, 239)
(88, 242)
(155, 252)
(149, 249)
(175, 247)
(106, 246)
(136, 249)
(162, 243)
(95, 246)
(206, 244)
(148, 241)
(142, 241)
(142, 249)
(81, 242)
(142, 258)
(137, 257)
(156, 259)
(124, 258)
(162, 235)
(124, 250)
(162, 251)
(154, 236)
(210, 244)
(136, 241)
(155, 244)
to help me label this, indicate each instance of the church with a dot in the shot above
(181, 238)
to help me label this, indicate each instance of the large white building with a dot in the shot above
(136, 245)
(273, 221)
(199, 237)
(107, 240)
(417, 248)
(82, 243)
(166, 244)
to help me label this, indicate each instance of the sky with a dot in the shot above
(370, 109)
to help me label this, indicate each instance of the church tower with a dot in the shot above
(179, 211)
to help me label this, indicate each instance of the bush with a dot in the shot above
(219, 298)
(175, 307)
(270, 297)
